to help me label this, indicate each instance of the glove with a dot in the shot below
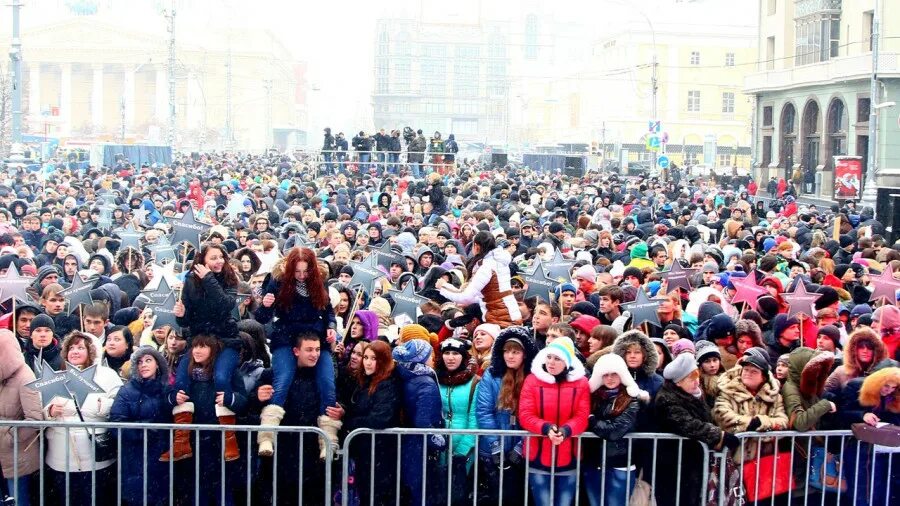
(495, 459)
(731, 441)
(514, 457)
(438, 442)
(754, 424)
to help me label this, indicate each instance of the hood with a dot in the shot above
(851, 363)
(500, 255)
(107, 265)
(750, 328)
(730, 384)
(651, 359)
(523, 334)
(12, 355)
(370, 324)
(162, 374)
(111, 294)
(870, 393)
(809, 369)
(255, 262)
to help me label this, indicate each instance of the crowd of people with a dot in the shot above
(279, 323)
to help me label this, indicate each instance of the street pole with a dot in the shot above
(229, 137)
(653, 111)
(171, 137)
(267, 84)
(870, 194)
(15, 61)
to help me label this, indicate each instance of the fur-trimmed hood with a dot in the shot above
(651, 359)
(730, 384)
(523, 334)
(750, 328)
(162, 373)
(851, 363)
(809, 369)
(255, 262)
(576, 370)
(870, 393)
(612, 363)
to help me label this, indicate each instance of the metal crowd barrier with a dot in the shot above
(248, 463)
(823, 468)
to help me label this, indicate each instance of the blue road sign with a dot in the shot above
(663, 162)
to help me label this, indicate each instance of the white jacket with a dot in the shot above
(495, 261)
(96, 409)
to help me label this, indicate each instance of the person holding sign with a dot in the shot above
(296, 295)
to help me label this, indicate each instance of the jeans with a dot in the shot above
(341, 167)
(283, 366)
(415, 170)
(563, 488)
(328, 164)
(618, 487)
(21, 493)
(364, 159)
(227, 362)
(381, 158)
(80, 491)
(393, 160)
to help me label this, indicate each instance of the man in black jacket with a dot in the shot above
(327, 148)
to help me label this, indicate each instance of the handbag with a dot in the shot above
(885, 437)
(731, 484)
(830, 480)
(106, 446)
(642, 494)
(767, 476)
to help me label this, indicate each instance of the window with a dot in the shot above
(691, 159)
(434, 83)
(868, 19)
(497, 46)
(693, 104)
(724, 160)
(767, 116)
(383, 43)
(496, 78)
(863, 106)
(729, 59)
(465, 82)
(772, 7)
(695, 57)
(770, 53)
(817, 38)
(727, 102)
(401, 75)
(381, 76)
(531, 37)
(766, 150)
(467, 51)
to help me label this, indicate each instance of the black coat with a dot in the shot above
(208, 310)
(301, 409)
(301, 317)
(612, 428)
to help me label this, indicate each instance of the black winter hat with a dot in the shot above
(43, 321)
(767, 307)
(829, 296)
(758, 358)
(833, 333)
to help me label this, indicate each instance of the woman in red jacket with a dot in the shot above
(555, 403)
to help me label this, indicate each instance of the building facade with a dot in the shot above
(812, 89)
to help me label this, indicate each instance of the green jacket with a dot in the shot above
(460, 401)
(808, 370)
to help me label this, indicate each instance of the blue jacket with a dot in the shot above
(491, 418)
(301, 317)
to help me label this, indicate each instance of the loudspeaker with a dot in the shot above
(887, 209)
(498, 159)
(575, 162)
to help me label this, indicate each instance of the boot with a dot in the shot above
(270, 417)
(181, 441)
(227, 417)
(330, 427)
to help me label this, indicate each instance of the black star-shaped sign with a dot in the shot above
(13, 284)
(50, 384)
(239, 298)
(800, 301)
(387, 256)
(159, 294)
(559, 268)
(365, 274)
(407, 302)
(78, 293)
(104, 222)
(188, 229)
(129, 237)
(165, 313)
(643, 309)
(678, 277)
(539, 284)
(162, 250)
(885, 286)
(81, 382)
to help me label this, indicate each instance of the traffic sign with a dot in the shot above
(654, 126)
(653, 143)
(663, 162)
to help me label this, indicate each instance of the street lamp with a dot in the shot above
(870, 194)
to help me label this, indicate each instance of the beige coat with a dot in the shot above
(17, 402)
(736, 407)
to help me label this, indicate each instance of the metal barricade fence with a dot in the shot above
(209, 471)
(809, 468)
(639, 466)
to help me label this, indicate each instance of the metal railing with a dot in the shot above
(405, 466)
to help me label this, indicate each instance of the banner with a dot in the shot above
(847, 177)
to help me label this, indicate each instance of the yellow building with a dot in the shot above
(87, 79)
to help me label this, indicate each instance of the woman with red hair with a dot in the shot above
(296, 294)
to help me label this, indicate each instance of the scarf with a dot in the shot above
(302, 290)
(200, 374)
(458, 377)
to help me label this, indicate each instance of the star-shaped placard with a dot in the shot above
(159, 294)
(50, 384)
(165, 313)
(188, 229)
(161, 272)
(643, 309)
(748, 291)
(539, 283)
(104, 222)
(559, 268)
(139, 216)
(885, 286)
(235, 207)
(407, 302)
(162, 250)
(13, 284)
(800, 301)
(78, 293)
(678, 277)
(81, 383)
(387, 256)
(365, 274)
(239, 298)
(129, 237)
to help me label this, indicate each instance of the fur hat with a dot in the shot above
(651, 358)
(870, 393)
(611, 363)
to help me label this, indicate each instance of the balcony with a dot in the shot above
(842, 68)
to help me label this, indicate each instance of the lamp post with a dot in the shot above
(870, 194)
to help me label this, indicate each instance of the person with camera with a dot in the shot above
(416, 153)
(342, 148)
(394, 148)
(328, 149)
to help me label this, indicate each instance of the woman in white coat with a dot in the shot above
(70, 450)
